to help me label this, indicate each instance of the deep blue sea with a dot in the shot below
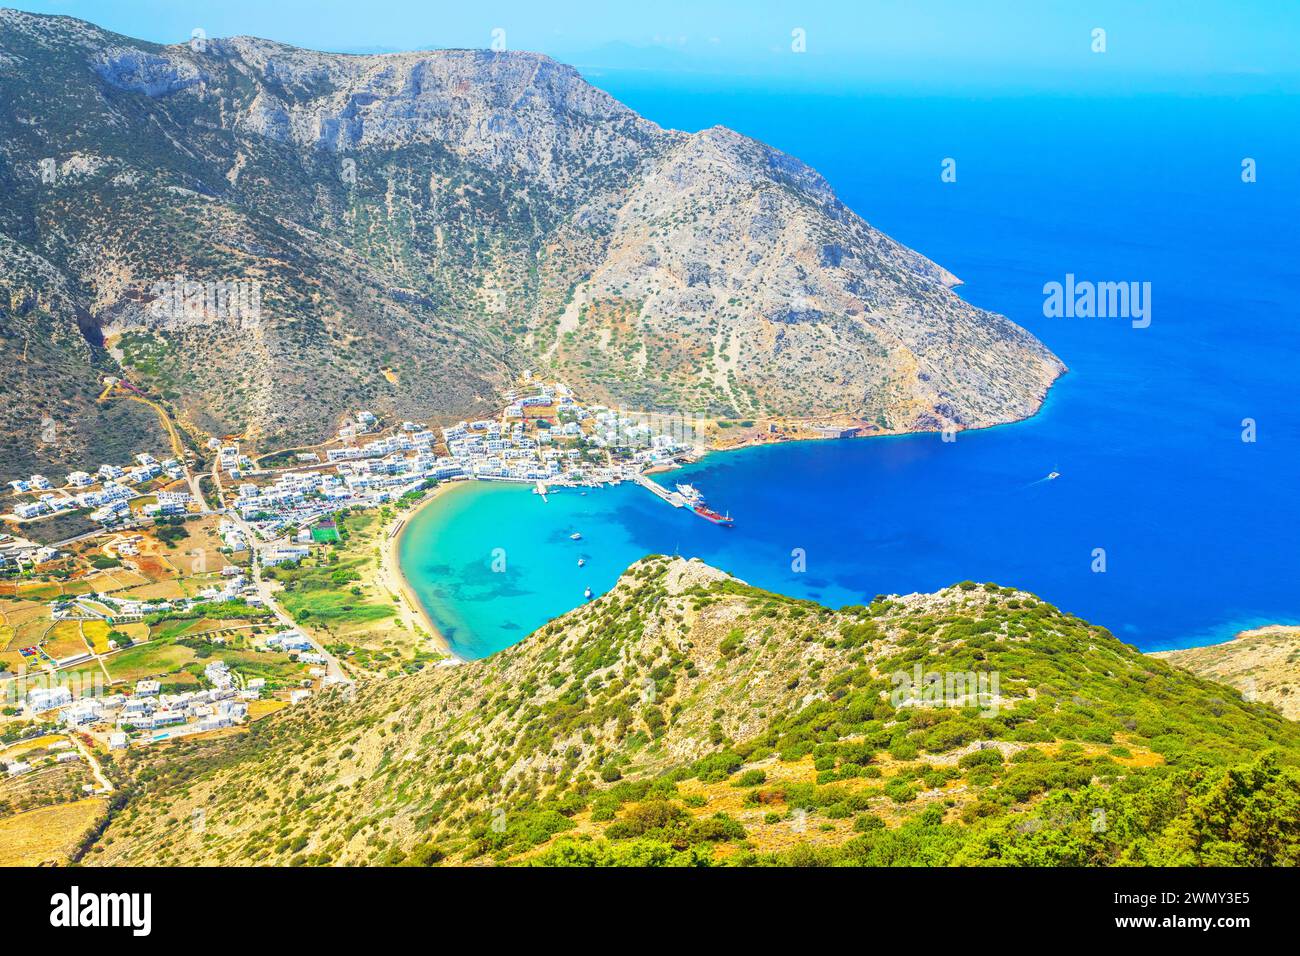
(1201, 530)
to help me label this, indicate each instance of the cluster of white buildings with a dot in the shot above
(34, 484)
(43, 699)
(169, 503)
(362, 424)
(107, 491)
(489, 449)
(232, 535)
(229, 458)
(364, 476)
(289, 641)
(303, 497)
(411, 437)
(234, 586)
(387, 467)
(224, 704)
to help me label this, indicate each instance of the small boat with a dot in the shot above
(587, 594)
(1053, 475)
(575, 536)
(581, 562)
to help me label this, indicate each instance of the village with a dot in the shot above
(112, 641)
(544, 437)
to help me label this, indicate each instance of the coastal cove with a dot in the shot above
(1002, 523)
(1201, 536)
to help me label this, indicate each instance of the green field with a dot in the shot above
(328, 592)
(149, 660)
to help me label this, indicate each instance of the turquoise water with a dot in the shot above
(1201, 530)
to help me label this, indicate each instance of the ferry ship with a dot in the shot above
(691, 494)
(695, 501)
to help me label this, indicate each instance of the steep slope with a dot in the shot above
(1264, 664)
(735, 283)
(451, 217)
(686, 717)
(53, 361)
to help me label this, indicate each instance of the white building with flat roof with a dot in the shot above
(47, 698)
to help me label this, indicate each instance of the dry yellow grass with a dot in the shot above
(47, 835)
(136, 630)
(64, 639)
(96, 635)
(264, 708)
(169, 589)
(15, 751)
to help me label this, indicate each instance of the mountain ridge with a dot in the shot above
(686, 718)
(453, 217)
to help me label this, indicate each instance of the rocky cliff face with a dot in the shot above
(424, 225)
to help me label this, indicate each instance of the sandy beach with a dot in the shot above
(391, 577)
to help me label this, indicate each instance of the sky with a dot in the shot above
(1175, 44)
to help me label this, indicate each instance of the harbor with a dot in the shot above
(674, 498)
(686, 496)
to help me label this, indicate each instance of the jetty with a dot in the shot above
(674, 498)
(695, 504)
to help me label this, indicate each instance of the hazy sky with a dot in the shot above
(935, 43)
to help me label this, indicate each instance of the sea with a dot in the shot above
(1175, 519)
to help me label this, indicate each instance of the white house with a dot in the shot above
(85, 711)
(30, 510)
(43, 699)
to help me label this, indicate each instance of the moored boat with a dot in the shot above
(708, 514)
(690, 493)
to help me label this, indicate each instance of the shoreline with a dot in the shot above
(755, 437)
(394, 579)
(751, 441)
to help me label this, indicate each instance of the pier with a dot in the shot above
(672, 497)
